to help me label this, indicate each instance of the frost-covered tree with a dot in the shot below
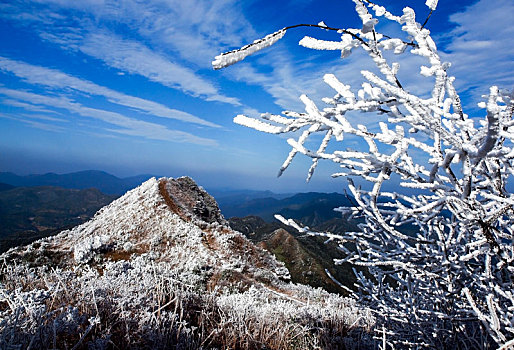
(439, 250)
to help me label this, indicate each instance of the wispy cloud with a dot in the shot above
(480, 46)
(45, 117)
(136, 58)
(128, 126)
(200, 30)
(286, 77)
(283, 78)
(95, 30)
(26, 106)
(29, 120)
(195, 29)
(57, 79)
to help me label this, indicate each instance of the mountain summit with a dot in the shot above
(160, 267)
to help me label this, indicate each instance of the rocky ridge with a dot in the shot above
(161, 267)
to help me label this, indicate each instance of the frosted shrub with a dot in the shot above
(288, 323)
(439, 250)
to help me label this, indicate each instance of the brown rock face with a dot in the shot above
(185, 196)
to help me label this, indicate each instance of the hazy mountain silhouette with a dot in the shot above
(229, 198)
(311, 208)
(5, 187)
(101, 180)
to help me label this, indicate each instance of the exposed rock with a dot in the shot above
(192, 199)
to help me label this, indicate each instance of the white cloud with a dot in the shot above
(166, 28)
(282, 79)
(34, 123)
(127, 125)
(25, 106)
(136, 58)
(57, 79)
(480, 49)
(195, 29)
(289, 78)
(45, 117)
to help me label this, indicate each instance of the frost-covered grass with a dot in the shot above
(143, 304)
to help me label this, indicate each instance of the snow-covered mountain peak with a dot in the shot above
(164, 220)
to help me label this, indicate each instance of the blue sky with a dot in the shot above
(127, 86)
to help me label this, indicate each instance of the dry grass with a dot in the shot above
(68, 310)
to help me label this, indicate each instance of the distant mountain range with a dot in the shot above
(100, 180)
(38, 205)
(5, 187)
(230, 199)
(30, 213)
(232, 202)
(110, 184)
(312, 208)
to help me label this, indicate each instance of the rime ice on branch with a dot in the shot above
(228, 58)
(440, 261)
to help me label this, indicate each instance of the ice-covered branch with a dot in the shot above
(231, 57)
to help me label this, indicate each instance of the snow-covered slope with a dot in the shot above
(145, 269)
